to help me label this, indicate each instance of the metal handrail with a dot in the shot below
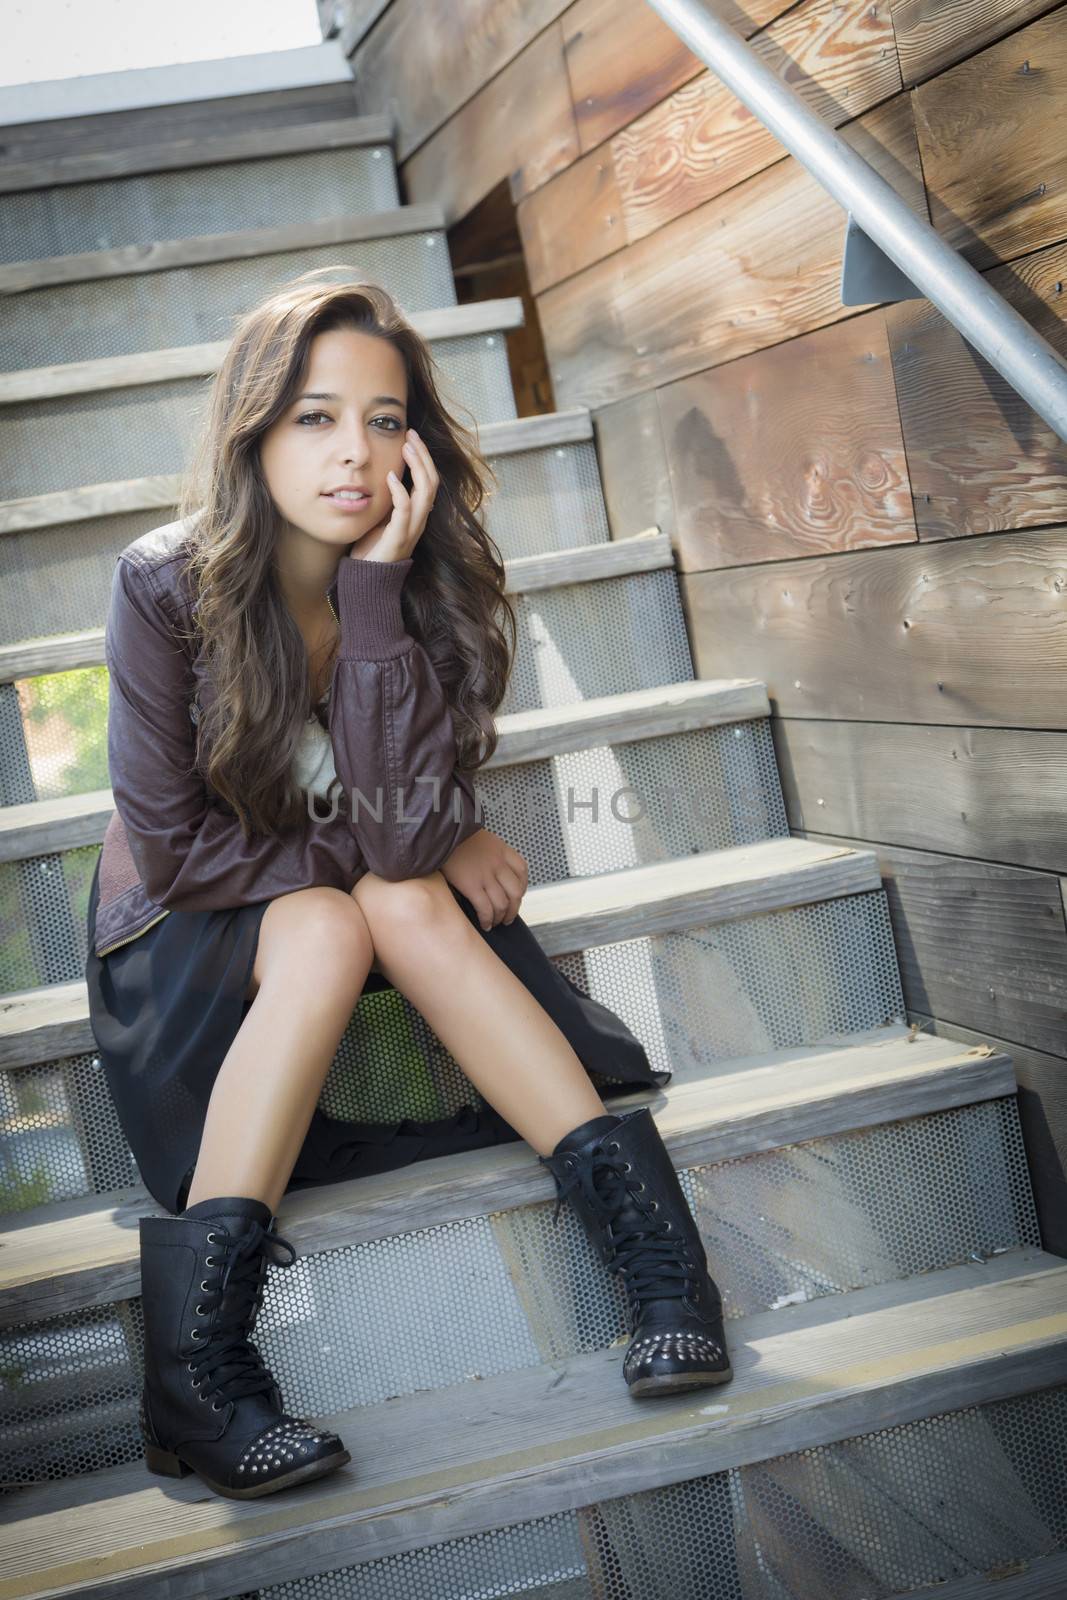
(983, 317)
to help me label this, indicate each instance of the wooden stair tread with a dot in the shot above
(183, 153)
(649, 551)
(86, 1252)
(103, 373)
(57, 507)
(41, 826)
(659, 897)
(437, 1464)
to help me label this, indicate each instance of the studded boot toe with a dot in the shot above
(620, 1181)
(209, 1403)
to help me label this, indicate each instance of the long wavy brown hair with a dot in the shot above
(453, 601)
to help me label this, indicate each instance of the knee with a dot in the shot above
(407, 907)
(318, 927)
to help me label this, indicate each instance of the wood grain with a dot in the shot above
(965, 632)
(623, 58)
(716, 283)
(979, 944)
(979, 457)
(999, 794)
(760, 473)
(519, 126)
(486, 1453)
(425, 59)
(1042, 1100)
(931, 37)
(700, 140)
(633, 467)
(993, 151)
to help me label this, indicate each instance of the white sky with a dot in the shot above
(66, 38)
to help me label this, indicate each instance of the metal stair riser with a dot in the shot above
(574, 815)
(545, 500)
(973, 1492)
(117, 316)
(574, 642)
(580, 640)
(110, 435)
(184, 203)
(512, 1289)
(694, 999)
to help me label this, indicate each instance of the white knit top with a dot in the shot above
(313, 762)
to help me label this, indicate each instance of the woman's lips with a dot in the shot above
(346, 504)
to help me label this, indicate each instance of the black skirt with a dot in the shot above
(164, 1010)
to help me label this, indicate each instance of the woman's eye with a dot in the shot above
(394, 423)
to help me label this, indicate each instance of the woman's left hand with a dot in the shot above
(491, 874)
(395, 538)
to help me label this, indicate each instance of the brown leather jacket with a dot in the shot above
(171, 844)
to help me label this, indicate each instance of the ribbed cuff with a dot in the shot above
(368, 593)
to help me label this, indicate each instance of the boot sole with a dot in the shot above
(675, 1382)
(168, 1465)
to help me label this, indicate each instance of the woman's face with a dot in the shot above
(351, 432)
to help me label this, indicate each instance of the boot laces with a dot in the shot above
(230, 1363)
(650, 1260)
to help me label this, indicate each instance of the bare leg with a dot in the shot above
(504, 1040)
(312, 961)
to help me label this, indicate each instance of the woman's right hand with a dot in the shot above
(395, 538)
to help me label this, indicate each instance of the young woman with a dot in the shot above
(303, 672)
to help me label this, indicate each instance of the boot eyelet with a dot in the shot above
(203, 1284)
(613, 1146)
(653, 1205)
(194, 1333)
(209, 1261)
(211, 1238)
(200, 1311)
(627, 1167)
(667, 1227)
(640, 1188)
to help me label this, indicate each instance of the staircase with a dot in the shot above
(898, 1415)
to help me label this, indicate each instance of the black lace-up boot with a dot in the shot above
(621, 1182)
(209, 1403)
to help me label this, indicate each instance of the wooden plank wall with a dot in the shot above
(864, 515)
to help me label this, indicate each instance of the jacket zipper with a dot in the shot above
(129, 939)
(336, 618)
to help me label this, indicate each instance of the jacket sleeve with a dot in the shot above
(391, 730)
(190, 854)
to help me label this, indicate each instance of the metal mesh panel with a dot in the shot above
(697, 1000)
(586, 639)
(616, 806)
(547, 499)
(101, 437)
(62, 1138)
(55, 736)
(58, 579)
(269, 192)
(474, 378)
(116, 434)
(43, 906)
(908, 1197)
(197, 304)
(573, 643)
(967, 1493)
(705, 789)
